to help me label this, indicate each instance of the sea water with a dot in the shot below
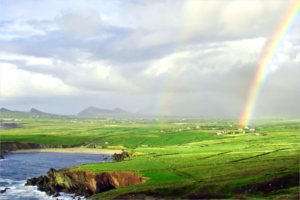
(16, 168)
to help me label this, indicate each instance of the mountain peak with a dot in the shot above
(36, 111)
(5, 110)
(33, 110)
(93, 111)
(119, 110)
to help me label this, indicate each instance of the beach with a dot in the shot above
(70, 150)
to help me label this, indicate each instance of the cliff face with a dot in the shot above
(6, 147)
(83, 182)
(13, 146)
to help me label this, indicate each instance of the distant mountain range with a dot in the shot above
(93, 112)
(37, 112)
(32, 111)
(88, 112)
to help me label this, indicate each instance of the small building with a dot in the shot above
(212, 134)
(220, 133)
(106, 142)
(246, 127)
(240, 129)
(252, 129)
(163, 130)
(258, 133)
(181, 129)
(188, 128)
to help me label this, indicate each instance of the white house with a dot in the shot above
(246, 127)
(220, 133)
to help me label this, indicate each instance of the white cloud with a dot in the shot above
(18, 83)
(204, 48)
(238, 17)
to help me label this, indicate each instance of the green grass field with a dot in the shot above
(179, 162)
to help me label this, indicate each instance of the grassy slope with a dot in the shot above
(186, 161)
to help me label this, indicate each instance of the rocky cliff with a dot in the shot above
(83, 182)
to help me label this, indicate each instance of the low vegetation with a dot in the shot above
(180, 157)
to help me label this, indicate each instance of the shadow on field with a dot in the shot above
(262, 188)
(269, 186)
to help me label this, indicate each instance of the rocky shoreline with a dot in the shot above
(79, 183)
(8, 147)
(83, 183)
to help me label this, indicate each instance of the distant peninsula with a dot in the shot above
(93, 112)
(32, 111)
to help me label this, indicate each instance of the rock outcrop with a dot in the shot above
(2, 191)
(6, 147)
(83, 182)
(119, 157)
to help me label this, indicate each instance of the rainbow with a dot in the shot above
(264, 65)
(168, 87)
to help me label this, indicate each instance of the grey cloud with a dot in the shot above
(80, 23)
(14, 62)
(208, 81)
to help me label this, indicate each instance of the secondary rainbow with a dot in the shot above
(263, 67)
(169, 85)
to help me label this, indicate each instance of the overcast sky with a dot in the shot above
(159, 56)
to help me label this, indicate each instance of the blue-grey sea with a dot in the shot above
(16, 168)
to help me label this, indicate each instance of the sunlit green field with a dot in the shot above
(178, 160)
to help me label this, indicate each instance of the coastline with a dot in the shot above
(69, 150)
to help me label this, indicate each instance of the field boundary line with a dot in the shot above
(107, 136)
(179, 173)
(215, 155)
(165, 140)
(165, 154)
(257, 155)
